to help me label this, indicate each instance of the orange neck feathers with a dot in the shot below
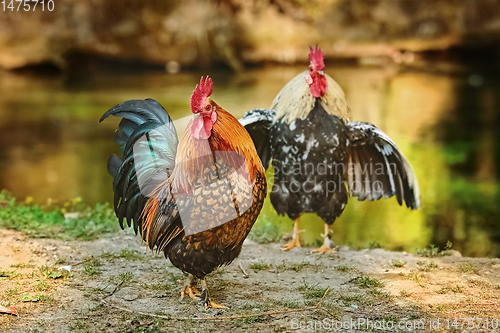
(193, 154)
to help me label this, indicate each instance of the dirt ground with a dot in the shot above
(116, 286)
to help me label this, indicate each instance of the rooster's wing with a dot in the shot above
(376, 167)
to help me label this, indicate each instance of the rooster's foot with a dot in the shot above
(295, 242)
(207, 302)
(324, 249)
(189, 288)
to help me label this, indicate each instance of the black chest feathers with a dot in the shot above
(309, 159)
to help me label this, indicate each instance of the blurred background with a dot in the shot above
(425, 71)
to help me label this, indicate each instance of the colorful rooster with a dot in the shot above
(196, 200)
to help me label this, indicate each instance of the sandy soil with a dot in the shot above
(113, 279)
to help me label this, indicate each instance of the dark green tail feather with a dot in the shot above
(140, 117)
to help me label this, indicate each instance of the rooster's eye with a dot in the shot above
(208, 107)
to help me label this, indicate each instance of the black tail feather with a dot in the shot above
(143, 120)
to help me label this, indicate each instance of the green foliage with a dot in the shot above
(91, 267)
(312, 291)
(405, 293)
(351, 299)
(343, 268)
(50, 222)
(126, 277)
(443, 290)
(398, 263)
(426, 266)
(41, 286)
(373, 245)
(468, 267)
(433, 251)
(260, 265)
(367, 282)
(130, 254)
(265, 231)
(53, 273)
(11, 292)
(6, 275)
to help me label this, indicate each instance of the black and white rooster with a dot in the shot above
(321, 157)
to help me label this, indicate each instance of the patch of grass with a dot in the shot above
(293, 266)
(442, 307)
(443, 290)
(242, 322)
(405, 293)
(426, 266)
(258, 266)
(379, 294)
(265, 231)
(53, 273)
(159, 286)
(343, 268)
(367, 282)
(175, 277)
(44, 298)
(23, 265)
(290, 304)
(373, 245)
(414, 277)
(352, 299)
(9, 293)
(395, 263)
(92, 267)
(126, 277)
(41, 286)
(79, 324)
(457, 289)
(467, 267)
(50, 222)
(130, 255)
(312, 291)
(7, 275)
(433, 251)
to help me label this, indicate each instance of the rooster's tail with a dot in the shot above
(148, 141)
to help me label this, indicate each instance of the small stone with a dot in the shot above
(454, 253)
(127, 293)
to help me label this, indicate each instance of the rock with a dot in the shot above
(127, 293)
(453, 253)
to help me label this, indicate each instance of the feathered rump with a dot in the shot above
(377, 168)
(257, 122)
(148, 140)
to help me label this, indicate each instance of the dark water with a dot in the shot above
(53, 148)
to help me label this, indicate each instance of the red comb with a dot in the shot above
(200, 93)
(316, 58)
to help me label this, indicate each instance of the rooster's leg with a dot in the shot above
(205, 297)
(189, 288)
(328, 245)
(295, 242)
